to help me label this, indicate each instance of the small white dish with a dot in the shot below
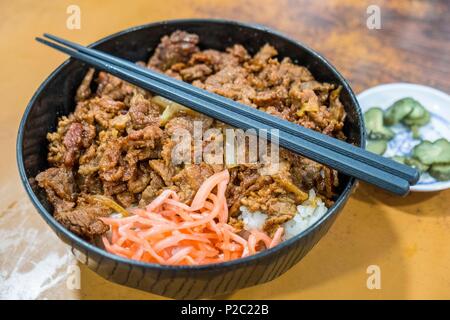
(435, 101)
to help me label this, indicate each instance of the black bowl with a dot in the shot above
(55, 97)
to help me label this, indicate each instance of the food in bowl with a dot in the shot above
(113, 155)
(406, 116)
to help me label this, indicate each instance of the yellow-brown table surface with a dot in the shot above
(408, 238)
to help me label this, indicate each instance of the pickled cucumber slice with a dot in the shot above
(432, 152)
(416, 164)
(440, 172)
(417, 112)
(399, 159)
(417, 122)
(376, 146)
(373, 119)
(399, 110)
(408, 111)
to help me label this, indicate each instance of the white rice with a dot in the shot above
(308, 213)
(252, 220)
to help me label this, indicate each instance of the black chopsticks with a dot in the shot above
(391, 166)
(337, 154)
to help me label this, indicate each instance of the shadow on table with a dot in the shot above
(437, 202)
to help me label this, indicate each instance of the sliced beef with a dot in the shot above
(79, 136)
(196, 72)
(153, 189)
(231, 82)
(241, 179)
(261, 57)
(84, 90)
(83, 220)
(164, 171)
(143, 112)
(113, 87)
(59, 184)
(176, 48)
(189, 179)
(214, 59)
(140, 179)
(308, 174)
(274, 200)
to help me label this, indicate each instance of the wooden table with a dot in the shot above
(408, 238)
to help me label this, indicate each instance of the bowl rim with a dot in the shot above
(87, 246)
